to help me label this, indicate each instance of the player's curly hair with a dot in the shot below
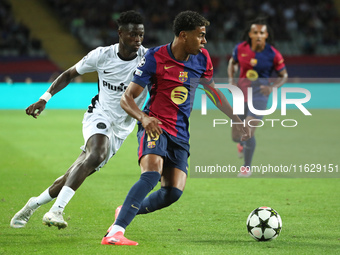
(258, 21)
(187, 21)
(129, 17)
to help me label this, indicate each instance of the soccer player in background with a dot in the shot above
(169, 72)
(105, 125)
(256, 59)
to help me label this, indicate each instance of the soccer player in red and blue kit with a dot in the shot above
(172, 74)
(257, 59)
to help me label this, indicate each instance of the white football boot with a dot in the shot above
(54, 219)
(21, 218)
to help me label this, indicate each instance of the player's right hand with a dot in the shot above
(151, 126)
(35, 109)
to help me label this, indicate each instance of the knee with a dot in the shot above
(96, 157)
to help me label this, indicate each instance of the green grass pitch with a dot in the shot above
(210, 217)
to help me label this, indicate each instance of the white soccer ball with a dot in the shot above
(264, 224)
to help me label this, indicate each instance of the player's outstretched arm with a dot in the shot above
(127, 102)
(61, 82)
(226, 108)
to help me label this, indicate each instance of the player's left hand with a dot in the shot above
(151, 126)
(245, 132)
(266, 90)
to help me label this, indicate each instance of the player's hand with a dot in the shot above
(266, 90)
(36, 108)
(245, 132)
(151, 126)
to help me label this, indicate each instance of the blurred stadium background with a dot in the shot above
(41, 38)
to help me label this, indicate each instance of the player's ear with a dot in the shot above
(183, 35)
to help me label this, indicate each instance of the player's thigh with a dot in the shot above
(151, 163)
(173, 177)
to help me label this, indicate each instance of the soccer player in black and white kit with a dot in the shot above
(105, 125)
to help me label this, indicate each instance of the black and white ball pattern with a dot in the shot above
(264, 224)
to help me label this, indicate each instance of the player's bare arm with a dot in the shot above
(127, 102)
(226, 108)
(232, 69)
(282, 79)
(61, 82)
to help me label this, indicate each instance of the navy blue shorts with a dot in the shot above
(258, 105)
(174, 151)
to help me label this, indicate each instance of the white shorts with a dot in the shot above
(98, 123)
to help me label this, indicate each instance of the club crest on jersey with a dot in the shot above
(183, 76)
(253, 62)
(151, 144)
(179, 95)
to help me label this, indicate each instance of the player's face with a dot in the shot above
(195, 40)
(258, 35)
(131, 36)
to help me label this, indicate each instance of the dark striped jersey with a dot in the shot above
(172, 85)
(256, 67)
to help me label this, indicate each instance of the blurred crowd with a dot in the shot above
(314, 22)
(309, 24)
(300, 27)
(15, 38)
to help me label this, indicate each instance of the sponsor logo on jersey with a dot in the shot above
(252, 75)
(168, 67)
(119, 88)
(253, 62)
(179, 95)
(183, 76)
(151, 144)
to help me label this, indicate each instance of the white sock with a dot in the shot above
(65, 195)
(115, 229)
(42, 199)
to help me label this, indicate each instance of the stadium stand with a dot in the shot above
(302, 29)
(22, 55)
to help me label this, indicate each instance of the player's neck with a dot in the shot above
(258, 48)
(126, 54)
(178, 51)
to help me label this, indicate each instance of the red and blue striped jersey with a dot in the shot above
(256, 67)
(172, 85)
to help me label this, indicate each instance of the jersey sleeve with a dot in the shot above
(88, 63)
(279, 64)
(145, 70)
(207, 76)
(234, 55)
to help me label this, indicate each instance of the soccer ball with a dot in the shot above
(264, 224)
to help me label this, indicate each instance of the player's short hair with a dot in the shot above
(129, 17)
(187, 21)
(258, 21)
